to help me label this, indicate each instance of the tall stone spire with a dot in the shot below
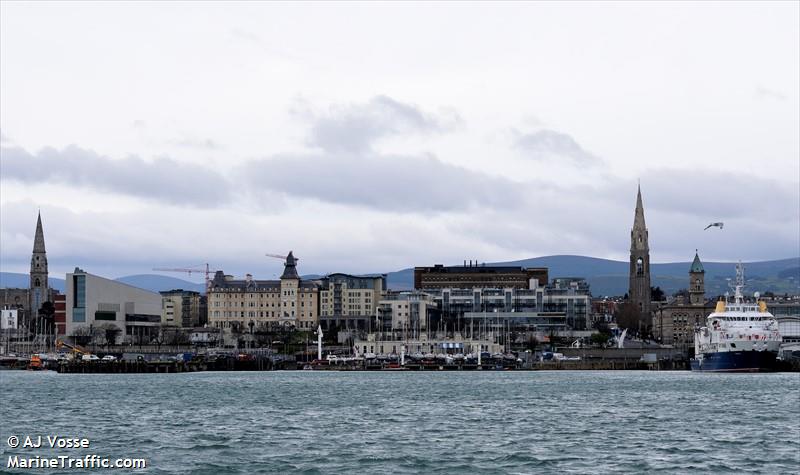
(639, 289)
(39, 285)
(638, 219)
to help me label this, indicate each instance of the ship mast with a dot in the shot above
(739, 284)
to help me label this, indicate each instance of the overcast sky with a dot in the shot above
(373, 137)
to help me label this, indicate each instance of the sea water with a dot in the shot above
(412, 422)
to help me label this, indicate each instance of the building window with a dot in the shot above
(110, 316)
(78, 314)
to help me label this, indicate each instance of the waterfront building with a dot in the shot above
(425, 345)
(180, 308)
(349, 302)
(60, 315)
(563, 304)
(569, 297)
(787, 312)
(16, 299)
(205, 336)
(674, 323)
(540, 323)
(639, 273)
(603, 310)
(94, 303)
(407, 312)
(477, 276)
(250, 304)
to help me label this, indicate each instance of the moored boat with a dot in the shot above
(739, 336)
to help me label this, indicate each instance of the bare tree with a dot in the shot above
(109, 333)
(81, 335)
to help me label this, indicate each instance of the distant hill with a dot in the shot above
(152, 282)
(606, 277)
(157, 283)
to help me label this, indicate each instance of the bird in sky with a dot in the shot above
(714, 225)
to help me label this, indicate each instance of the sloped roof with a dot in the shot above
(697, 266)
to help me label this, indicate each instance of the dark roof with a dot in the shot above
(178, 291)
(290, 268)
(219, 282)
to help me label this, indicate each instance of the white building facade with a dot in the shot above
(95, 302)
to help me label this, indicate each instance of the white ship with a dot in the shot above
(738, 337)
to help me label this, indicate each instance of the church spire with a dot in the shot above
(40, 289)
(639, 238)
(639, 275)
(638, 220)
(38, 240)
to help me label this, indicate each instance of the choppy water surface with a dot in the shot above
(460, 422)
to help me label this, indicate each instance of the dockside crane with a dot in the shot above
(207, 271)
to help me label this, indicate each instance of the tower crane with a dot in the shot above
(278, 256)
(207, 271)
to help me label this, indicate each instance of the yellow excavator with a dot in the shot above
(74, 349)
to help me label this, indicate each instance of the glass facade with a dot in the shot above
(79, 298)
(78, 314)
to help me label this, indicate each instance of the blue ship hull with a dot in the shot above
(735, 361)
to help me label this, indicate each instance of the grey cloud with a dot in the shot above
(766, 93)
(761, 216)
(390, 183)
(719, 194)
(246, 35)
(163, 179)
(551, 145)
(353, 128)
(191, 142)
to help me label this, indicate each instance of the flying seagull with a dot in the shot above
(712, 225)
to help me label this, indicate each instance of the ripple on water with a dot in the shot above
(396, 423)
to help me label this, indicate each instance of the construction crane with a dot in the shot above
(278, 256)
(207, 272)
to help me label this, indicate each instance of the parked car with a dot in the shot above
(109, 358)
(90, 358)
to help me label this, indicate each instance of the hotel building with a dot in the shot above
(250, 304)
